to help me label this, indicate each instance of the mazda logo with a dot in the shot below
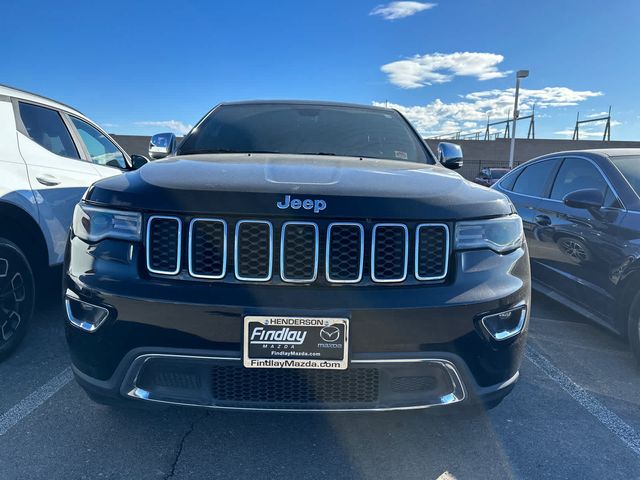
(330, 334)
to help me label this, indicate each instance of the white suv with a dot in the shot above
(49, 154)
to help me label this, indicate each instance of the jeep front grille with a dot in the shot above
(164, 244)
(345, 252)
(389, 252)
(208, 248)
(302, 252)
(253, 251)
(299, 252)
(432, 251)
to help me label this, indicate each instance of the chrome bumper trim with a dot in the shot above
(506, 334)
(79, 323)
(131, 390)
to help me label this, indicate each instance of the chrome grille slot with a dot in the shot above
(299, 252)
(345, 253)
(432, 251)
(208, 248)
(253, 252)
(164, 244)
(389, 252)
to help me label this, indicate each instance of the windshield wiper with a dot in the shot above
(229, 150)
(329, 154)
(225, 150)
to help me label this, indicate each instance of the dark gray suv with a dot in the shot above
(581, 216)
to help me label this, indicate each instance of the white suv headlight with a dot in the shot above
(499, 234)
(94, 223)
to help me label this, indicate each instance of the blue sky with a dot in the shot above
(143, 67)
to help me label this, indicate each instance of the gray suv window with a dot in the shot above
(534, 179)
(578, 174)
(629, 166)
(46, 127)
(101, 150)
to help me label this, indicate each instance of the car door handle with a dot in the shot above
(542, 220)
(48, 180)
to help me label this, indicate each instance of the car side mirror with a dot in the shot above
(138, 161)
(161, 145)
(450, 155)
(588, 198)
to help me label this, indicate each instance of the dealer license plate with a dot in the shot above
(295, 342)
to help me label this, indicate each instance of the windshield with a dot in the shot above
(306, 129)
(629, 166)
(498, 173)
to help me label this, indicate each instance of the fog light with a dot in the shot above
(507, 324)
(84, 315)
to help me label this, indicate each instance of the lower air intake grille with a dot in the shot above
(389, 261)
(175, 379)
(432, 251)
(293, 387)
(253, 250)
(413, 384)
(163, 245)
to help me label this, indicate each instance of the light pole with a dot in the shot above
(520, 74)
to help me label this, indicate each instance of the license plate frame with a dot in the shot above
(320, 343)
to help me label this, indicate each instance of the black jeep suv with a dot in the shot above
(297, 256)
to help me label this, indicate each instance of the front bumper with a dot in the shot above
(171, 341)
(189, 379)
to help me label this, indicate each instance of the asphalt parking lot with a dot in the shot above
(574, 414)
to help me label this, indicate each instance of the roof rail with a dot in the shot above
(42, 96)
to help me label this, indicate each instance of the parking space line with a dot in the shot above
(609, 419)
(36, 398)
(557, 320)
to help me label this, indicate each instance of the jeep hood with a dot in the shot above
(228, 184)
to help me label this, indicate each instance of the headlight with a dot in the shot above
(498, 234)
(94, 223)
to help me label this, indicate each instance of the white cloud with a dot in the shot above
(470, 113)
(421, 70)
(174, 126)
(396, 10)
(542, 98)
(568, 132)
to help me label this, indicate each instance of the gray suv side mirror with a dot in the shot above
(587, 198)
(450, 155)
(161, 145)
